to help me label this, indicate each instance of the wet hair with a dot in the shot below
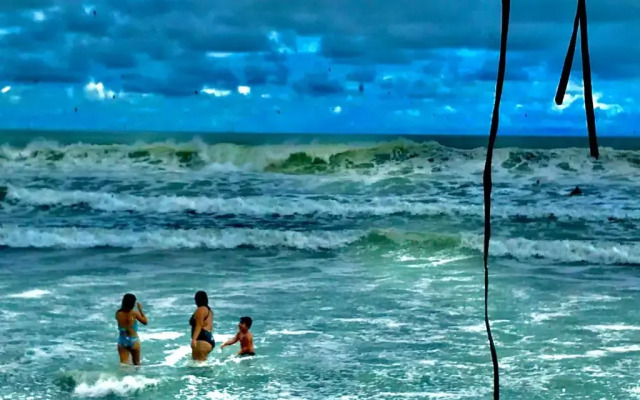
(202, 300)
(247, 321)
(128, 302)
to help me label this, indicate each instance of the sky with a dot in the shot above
(311, 66)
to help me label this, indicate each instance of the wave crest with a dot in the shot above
(77, 238)
(398, 157)
(343, 206)
(386, 240)
(562, 251)
(107, 385)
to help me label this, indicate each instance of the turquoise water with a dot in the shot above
(359, 259)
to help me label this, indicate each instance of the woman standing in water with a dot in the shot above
(201, 328)
(128, 342)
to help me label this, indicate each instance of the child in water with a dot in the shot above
(244, 337)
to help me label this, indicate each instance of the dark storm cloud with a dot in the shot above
(318, 84)
(489, 70)
(261, 74)
(128, 34)
(111, 58)
(35, 70)
(136, 83)
(423, 89)
(185, 78)
(203, 71)
(21, 5)
(365, 75)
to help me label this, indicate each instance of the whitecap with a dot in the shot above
(287, 332)
(624, 349)
(23, 237)
(473, 328)
(110, 385)
(176, 355)
(537, 317)
(612, 328)
(558, 357)
(595, 252)
(157, 336)
(30, 294)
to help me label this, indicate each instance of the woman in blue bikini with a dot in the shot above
(128, 342)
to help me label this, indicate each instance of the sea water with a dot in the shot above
(358, 258)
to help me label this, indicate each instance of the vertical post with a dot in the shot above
(487, 186)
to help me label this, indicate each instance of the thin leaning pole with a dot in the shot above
(581, 22)
(487, 186)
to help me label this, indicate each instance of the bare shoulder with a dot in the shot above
(201, 312)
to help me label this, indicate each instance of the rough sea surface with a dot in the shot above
(359, 259)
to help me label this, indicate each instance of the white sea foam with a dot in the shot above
(221, 337)
(252, 205)
(164, 303)
(286, 332)
(539, 317)
(64, 350)
(559, 357)
(567, 251)
(423, 395)
(176, 355)
(383, 157)
(624, 349)
(612, 328)
(20, 237)
(596, 353)
(473, 328)
(110, 385)
(559, 250)
(220, 395)
(301, 205)
(160, 336)
(30, 294)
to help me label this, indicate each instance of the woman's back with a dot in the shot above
(127, 322)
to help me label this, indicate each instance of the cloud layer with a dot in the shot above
(288, 65)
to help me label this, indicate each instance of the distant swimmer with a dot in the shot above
(202, 328)
(128, 341)
(244, 337)
(576, 192)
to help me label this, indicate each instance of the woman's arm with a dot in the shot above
(140, 315)
(199, 317)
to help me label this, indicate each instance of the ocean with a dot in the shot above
(359, 259)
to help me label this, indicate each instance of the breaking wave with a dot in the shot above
(400, 156)
(561, 251)
(75, 238)
(565, 208)
(106, 385)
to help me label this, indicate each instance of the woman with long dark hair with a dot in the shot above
(127, 317)
(201, 322)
